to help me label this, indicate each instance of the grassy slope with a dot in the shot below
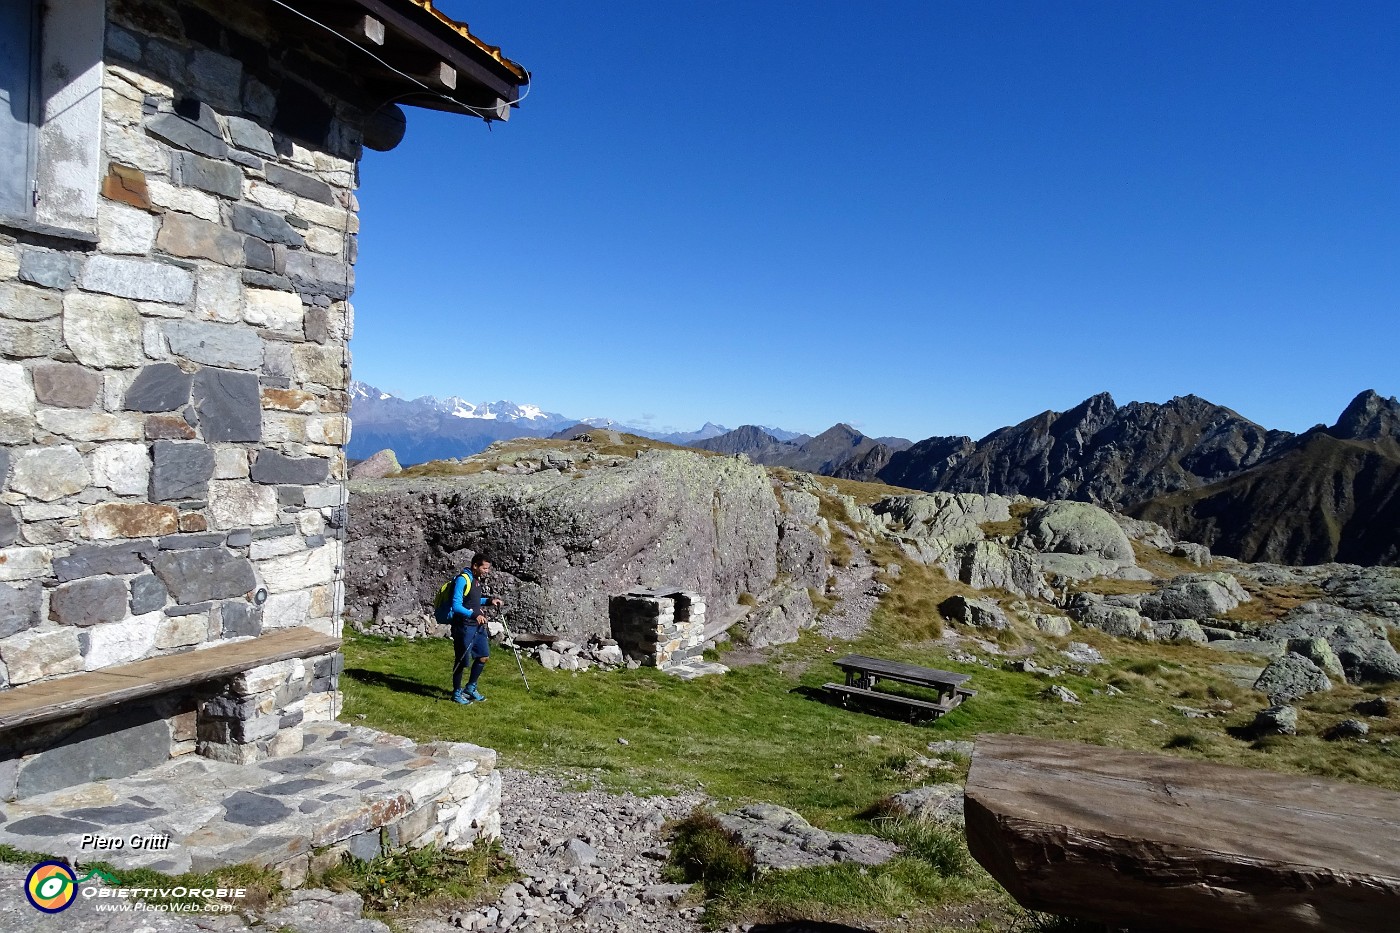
(1324, 500)
(764, 733)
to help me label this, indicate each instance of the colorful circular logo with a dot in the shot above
(51, 887)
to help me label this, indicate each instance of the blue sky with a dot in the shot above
(916, 217)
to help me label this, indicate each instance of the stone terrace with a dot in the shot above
(351, 789)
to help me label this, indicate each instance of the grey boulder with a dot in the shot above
(1290, 678)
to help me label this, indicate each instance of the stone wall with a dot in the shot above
(658, 627)
(173, 397)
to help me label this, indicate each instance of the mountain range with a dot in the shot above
(1203, 470)
(428, 428)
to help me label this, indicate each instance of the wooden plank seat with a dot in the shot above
(912, 705)
(66, 696)
(1150, 841)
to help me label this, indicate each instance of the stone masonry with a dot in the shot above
(173, 396)
(659, 627)
(349, 790)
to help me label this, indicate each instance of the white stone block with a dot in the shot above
(285, 610)
(219, 295)
(40, 653)
(16, 405)
(49, 473)
(231, 463)
(260, 679)
(25, 563)
(325, 497)
(325, 241)
(181, 631)
(322, 707)
(105, 330)
(263, 548)
(47, 511)
(124, 229)
(123, 277)
(277, 311)
(121, 642)
(91, 425)
(298, 571)
(425, 784)
(186, 200)
(131, 146)
(311, 522)
(269, 196)
(241, 504)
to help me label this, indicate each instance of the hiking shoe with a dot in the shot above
(460, 696)
(475, 694)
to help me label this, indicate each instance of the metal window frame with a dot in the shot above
(35, 114)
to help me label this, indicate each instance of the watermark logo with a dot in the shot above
(51, 887)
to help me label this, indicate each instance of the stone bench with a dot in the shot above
(237, 701)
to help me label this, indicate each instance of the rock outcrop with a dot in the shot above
(780, 838)
(566, 538)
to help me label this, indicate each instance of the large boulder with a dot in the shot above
(779, 618)
(1180, 630)
(564, 542)
(1066, 527)
(1371, 590)
(1291, 677)
(932, 803)
(931, 527)
(1093, 610)
(1358, 640)
(989, 565)
(979, 613)
(376, 466)
(1195, 596)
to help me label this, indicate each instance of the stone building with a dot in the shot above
(177, 243)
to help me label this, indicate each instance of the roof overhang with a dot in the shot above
(422, 57)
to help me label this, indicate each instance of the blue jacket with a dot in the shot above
(464, 591)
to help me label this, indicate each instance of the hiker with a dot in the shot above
(459, 605)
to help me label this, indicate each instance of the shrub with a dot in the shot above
(1189, 740)
(702, 850)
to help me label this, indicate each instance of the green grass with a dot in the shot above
(764, 732)
(420, 881)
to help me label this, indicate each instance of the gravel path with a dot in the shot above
(592, 861)
(857, 593)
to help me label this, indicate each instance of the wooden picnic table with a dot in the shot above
(863, 675)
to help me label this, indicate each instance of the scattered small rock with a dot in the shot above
(1348, 729)
(1276, 720)
(1056, 692)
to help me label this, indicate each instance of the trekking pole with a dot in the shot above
(511, 636)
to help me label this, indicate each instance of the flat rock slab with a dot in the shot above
(780, 838)
(348, 781)
(1153, 842)
(690, 670)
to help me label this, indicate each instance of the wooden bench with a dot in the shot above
(863, 674)
(48, 700)
(912, 705)
(1118, 837)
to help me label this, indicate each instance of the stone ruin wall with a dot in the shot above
(660, 628)
(173, 404)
